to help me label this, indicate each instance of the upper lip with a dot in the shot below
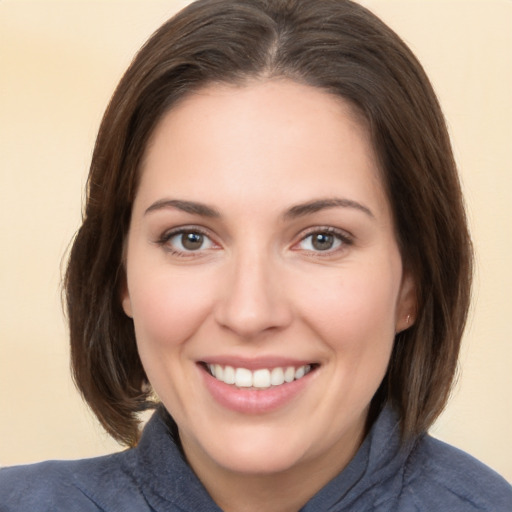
(257, 362)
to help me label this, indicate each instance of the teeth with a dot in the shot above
(289, 374)
(219, 371)
(243, 378)
(260, 379)
(277, 377)
(229, 375)
(301, 372)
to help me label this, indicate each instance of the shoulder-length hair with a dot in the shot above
(343, 49)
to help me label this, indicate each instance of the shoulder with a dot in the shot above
(441, 477)
(82, 486)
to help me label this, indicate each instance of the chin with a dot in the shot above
(259, 458)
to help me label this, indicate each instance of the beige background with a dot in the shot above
(59, 63)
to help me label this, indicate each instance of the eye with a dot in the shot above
(186, 241)
(323, 240)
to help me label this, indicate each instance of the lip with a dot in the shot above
(254, 401)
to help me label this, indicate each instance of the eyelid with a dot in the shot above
(167, 235)
(346, 239)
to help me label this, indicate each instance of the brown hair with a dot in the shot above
(335, 45)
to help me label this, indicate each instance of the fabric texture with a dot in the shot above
(426, 476)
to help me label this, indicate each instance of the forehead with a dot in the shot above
(261, 139)
(273, 103)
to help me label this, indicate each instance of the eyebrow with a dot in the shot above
(317, 205)
(299, 210)
(186, 206)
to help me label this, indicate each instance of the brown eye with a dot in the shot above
(192, 241)
(184, 241)
(322, 241)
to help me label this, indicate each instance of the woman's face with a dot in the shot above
(263, 276)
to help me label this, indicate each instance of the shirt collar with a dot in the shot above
(165, 477)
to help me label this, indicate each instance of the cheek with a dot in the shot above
(167, 308)
(355, 310)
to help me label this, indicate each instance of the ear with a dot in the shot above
(125, 299)
(124, 293)
(407, 305)
(127, 304)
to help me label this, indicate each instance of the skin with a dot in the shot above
(258, 287)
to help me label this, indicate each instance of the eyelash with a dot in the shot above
(166, 237)
(345, 240)
(342, 237)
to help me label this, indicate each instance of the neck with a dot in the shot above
(284, 491)
(261, 493)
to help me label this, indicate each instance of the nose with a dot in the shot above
(254, 299)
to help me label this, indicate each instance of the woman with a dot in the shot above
(274, 251)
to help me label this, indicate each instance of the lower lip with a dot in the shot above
(254, 401)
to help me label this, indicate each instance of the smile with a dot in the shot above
(257, 386)
(262, 378)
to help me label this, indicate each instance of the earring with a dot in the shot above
(408, 319)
